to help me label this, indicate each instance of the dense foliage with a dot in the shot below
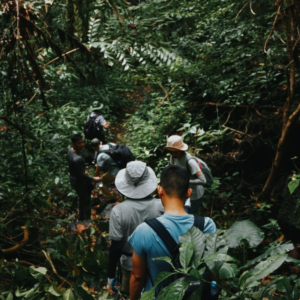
(223, 74)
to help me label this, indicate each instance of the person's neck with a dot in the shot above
(74, 150)
(174, 206)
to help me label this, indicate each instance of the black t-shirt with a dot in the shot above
(77, 168)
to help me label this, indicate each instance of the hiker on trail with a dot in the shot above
(95, 124)
(104, 162)
(80, 180)
(137, 182)
(147, 244)
(180, 157)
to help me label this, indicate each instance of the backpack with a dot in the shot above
(91, 129)
(203, 167)
(173, 248)
(121, 154)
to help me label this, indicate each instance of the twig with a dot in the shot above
(229, 105)
(224, 105)
(289, 64)
(166, 96)
(251, 8)
(53, 60)
(9, 212)
(53, 267)
(30, 99)
(297, 39)
(243, 133)
(36, 266)
(116, 13)
(18, 20)
(273, 27)
(19, 245)
(17, 127)
(46, 185)
(241, 11)
(279, 36)
(228, 117)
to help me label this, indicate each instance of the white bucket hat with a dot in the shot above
(136, 181)
(175, 143)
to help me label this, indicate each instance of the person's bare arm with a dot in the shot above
(138, 276)
(106, 125)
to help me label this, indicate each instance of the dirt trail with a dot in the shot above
(117, 130)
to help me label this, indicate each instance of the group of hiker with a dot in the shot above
(142, 227)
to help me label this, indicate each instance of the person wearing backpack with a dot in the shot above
(95, 124)
(199, 173)
(137, 182)
(149, 243)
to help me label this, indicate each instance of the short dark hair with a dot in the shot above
(95, 142)
(76, 137)
(175, 181)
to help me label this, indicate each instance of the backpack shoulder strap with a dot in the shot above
(164, 234)
(199, 222)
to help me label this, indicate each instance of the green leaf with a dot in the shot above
(68, 295)
(228, 271)
(38, 272)
(84, 295)
(280, 249)
(149, 295)
(198, 238)
(195, 273)
(244, 230)
(162, 276)
(177, 289)
(164, 258)
(293, 185)
(52, 290)
(285, 286)
(265, 268)
(296, 291)
(10, 296)
(218, 257)
(185, 253)
(26, 293)
(197, 295)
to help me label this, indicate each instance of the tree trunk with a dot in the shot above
(288, 119)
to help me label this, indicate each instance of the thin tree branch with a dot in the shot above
(17, 127)
(241, 11)
(273, 27)
(54, 269)
(58, 57)
(251, 8)
(19, 245)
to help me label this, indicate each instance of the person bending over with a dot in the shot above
(146, 244)
(107, 164)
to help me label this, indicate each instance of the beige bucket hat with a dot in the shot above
(175, 143)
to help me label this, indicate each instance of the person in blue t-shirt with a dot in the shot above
(173, 190)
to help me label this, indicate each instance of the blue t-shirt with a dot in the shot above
(146, 243)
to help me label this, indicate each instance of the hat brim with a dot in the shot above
(183, 148)
(141, 191)
(97, 108)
